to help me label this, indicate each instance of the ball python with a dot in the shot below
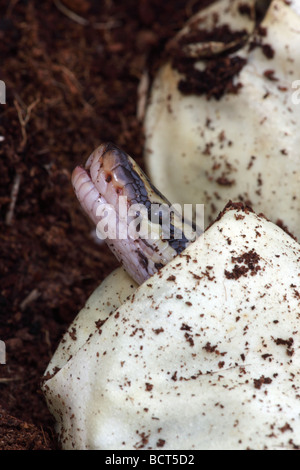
(141, 227)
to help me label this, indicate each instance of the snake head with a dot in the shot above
(139, 224)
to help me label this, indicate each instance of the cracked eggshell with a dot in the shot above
(241, 147)
(110, 295)
(203, 355)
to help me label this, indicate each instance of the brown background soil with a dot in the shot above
(69, 87)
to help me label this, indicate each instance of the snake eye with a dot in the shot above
(108, 178)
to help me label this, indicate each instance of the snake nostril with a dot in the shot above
(108, 178)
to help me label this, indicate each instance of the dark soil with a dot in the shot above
(71, 84)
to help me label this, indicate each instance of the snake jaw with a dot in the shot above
(110, 173)
(93, 203)
(86, 193)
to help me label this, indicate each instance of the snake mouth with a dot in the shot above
(86, 192)
(102, 180)
(110, 182)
